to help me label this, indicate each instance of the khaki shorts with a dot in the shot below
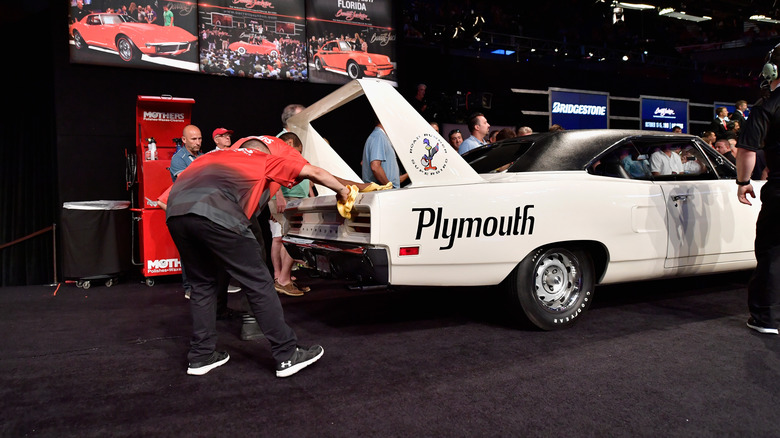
(278, 221)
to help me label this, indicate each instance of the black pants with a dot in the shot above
(207, 250)
(764, 287)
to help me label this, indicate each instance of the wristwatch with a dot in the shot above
(743, 183)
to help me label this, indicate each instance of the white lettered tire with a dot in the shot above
(553, 286)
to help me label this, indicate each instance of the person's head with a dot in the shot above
(293, 140)
(505, 133)
(421, 91)
(677, 129)
(492, 136)
(524, 130)
(289, 111)
(556, 127)
(221, 137)
(721, 112)
(253, 143)
(722, 146)
(435, 126)
(741, 105)
(456, 138)
(770, 71)
(709, 137)
(192, 139)
(479, 126)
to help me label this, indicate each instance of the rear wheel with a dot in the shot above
(127, 50)
(317, 64)
(553, 286)
(241, 51)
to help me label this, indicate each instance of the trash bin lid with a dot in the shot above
(96, 205)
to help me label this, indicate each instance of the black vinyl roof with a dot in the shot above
(562, 150)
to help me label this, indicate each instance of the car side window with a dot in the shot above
(676, 160)
(624, 162)
(724, 168)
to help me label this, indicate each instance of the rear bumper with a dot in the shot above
(341, 260)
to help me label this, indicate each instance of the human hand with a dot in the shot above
(742, 192)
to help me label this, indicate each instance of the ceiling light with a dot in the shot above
(634, 6)
(764, 18)
(681, 15)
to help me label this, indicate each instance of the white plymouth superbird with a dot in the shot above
(547, 216)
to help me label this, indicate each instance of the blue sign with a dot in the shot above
(664, 114)
(579, 109)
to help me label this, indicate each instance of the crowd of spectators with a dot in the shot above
(216, 58)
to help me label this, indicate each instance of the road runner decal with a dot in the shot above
(428, 146)
(450, 228)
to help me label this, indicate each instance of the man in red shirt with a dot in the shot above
(208, 211)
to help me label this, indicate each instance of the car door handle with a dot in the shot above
(676, 198)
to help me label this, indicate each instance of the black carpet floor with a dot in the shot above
(666, 358)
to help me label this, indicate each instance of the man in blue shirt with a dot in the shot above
(479, 128)
(379, 163)
(183, 157)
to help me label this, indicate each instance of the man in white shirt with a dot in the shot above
(666, 161)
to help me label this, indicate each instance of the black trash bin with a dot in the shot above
(96, 241)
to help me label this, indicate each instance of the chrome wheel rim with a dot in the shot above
(557, 281)
(125, 49)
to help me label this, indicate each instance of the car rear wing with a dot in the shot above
(425, 155)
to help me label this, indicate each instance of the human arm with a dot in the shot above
(281, 203)
(379, 172)
(323, 177)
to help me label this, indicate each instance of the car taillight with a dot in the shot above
(410, 250)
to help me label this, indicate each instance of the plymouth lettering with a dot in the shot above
(449, 229)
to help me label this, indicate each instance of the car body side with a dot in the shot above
(336, 55)
(264, 48)
(104, 30)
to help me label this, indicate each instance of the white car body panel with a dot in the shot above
(647, 229)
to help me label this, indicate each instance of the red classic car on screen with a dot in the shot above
(263, 48)
(341, 57)
(129, 37)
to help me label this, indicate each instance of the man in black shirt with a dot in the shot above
(762, 131)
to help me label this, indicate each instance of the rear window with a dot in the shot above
(497, 157)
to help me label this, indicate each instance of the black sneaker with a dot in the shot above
(216, 359)
(761, 329)
(301, 358)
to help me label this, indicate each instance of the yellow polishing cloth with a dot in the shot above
(374, 187)
(345, 208)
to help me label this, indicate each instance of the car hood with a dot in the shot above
(159, 33)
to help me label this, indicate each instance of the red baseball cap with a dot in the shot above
(220, 131)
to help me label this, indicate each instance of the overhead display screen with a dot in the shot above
(578, 109)
(664, 113)
(324, 41)
(351, 40)
(157, 35)
(255, 39)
